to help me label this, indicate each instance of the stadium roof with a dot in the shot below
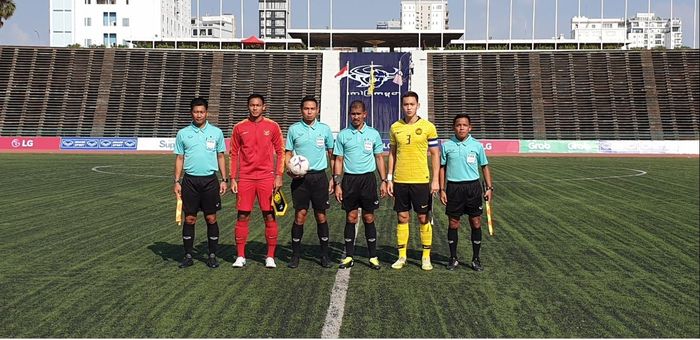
(359, 38)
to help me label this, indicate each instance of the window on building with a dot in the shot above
(88, 42)
(607, 25)
(87, 2)
(209, 32)
(109, 18)
(194, 32)
(109, 39)
(125, 22)
(88, 21)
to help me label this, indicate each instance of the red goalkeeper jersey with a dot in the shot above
(253, 148)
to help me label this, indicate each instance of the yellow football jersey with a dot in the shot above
(411, 142)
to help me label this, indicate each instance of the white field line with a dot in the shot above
(99, 168)
(336, 307)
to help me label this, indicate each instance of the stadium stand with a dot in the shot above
(610, 94)
(620, 95)
(144, 93)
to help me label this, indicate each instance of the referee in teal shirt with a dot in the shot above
(460, 189)
(313, 140)
(200, 153)
(359, 152)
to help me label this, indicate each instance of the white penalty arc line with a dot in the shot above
(99, 168)
(635, 174)
(336, 307)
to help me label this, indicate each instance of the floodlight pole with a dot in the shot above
(331, 24)
(510, 26)
(534, 9)
(488, 15)
(465, 24)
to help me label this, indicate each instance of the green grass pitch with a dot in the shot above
(585, 247)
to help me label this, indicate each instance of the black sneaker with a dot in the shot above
(186, 262)
(452, 263)
(212, 262)
(293, 262)
(476, 265)
(325, 263)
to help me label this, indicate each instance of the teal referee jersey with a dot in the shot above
(462, 159)
(310, 141)
(358, 148)
(200, 147)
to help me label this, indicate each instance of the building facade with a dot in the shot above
(214, 26)
(422, 15)
(115, 22)
(273, 19)
(587, 30)
(389, 24)
(647, 30)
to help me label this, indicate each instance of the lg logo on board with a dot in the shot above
(22, 143)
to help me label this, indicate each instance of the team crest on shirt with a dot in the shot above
(266, 132)
(419, 131)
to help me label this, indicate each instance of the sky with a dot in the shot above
(30, 23)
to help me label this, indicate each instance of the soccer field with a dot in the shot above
(585, 247)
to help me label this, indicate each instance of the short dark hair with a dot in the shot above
(255, 95)
(459, 116)
(409, 94)
(356, 103)
(199, 101)
(308, 99)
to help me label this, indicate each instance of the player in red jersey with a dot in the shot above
(254, 143)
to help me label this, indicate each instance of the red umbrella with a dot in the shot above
(252, 40)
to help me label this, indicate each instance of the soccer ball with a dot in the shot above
(298, 165)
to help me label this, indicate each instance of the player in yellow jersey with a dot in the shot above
(408, 177)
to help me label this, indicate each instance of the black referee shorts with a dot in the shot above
(464, 198)
(360, 191)
(313, 187)
(200, 193)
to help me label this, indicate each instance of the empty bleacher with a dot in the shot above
(569, 95)
(144, 93)
(511, 95)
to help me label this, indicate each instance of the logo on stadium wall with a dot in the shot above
(22, 143)
(362, 75)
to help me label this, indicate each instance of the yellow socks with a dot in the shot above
(426, 237)
(402, 238)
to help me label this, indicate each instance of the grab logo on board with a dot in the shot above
(539, 146)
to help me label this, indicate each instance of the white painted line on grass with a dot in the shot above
(99, 168)
(336, 308)
(635, 174)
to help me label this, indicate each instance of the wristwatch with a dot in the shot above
(177, 180)
(337, 179)
(489, 188)
(225, 180)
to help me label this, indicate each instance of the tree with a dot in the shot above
(7, 8)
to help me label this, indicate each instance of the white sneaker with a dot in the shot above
(270, 262)
(240, 262)
(399, 263)
(426, 265)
